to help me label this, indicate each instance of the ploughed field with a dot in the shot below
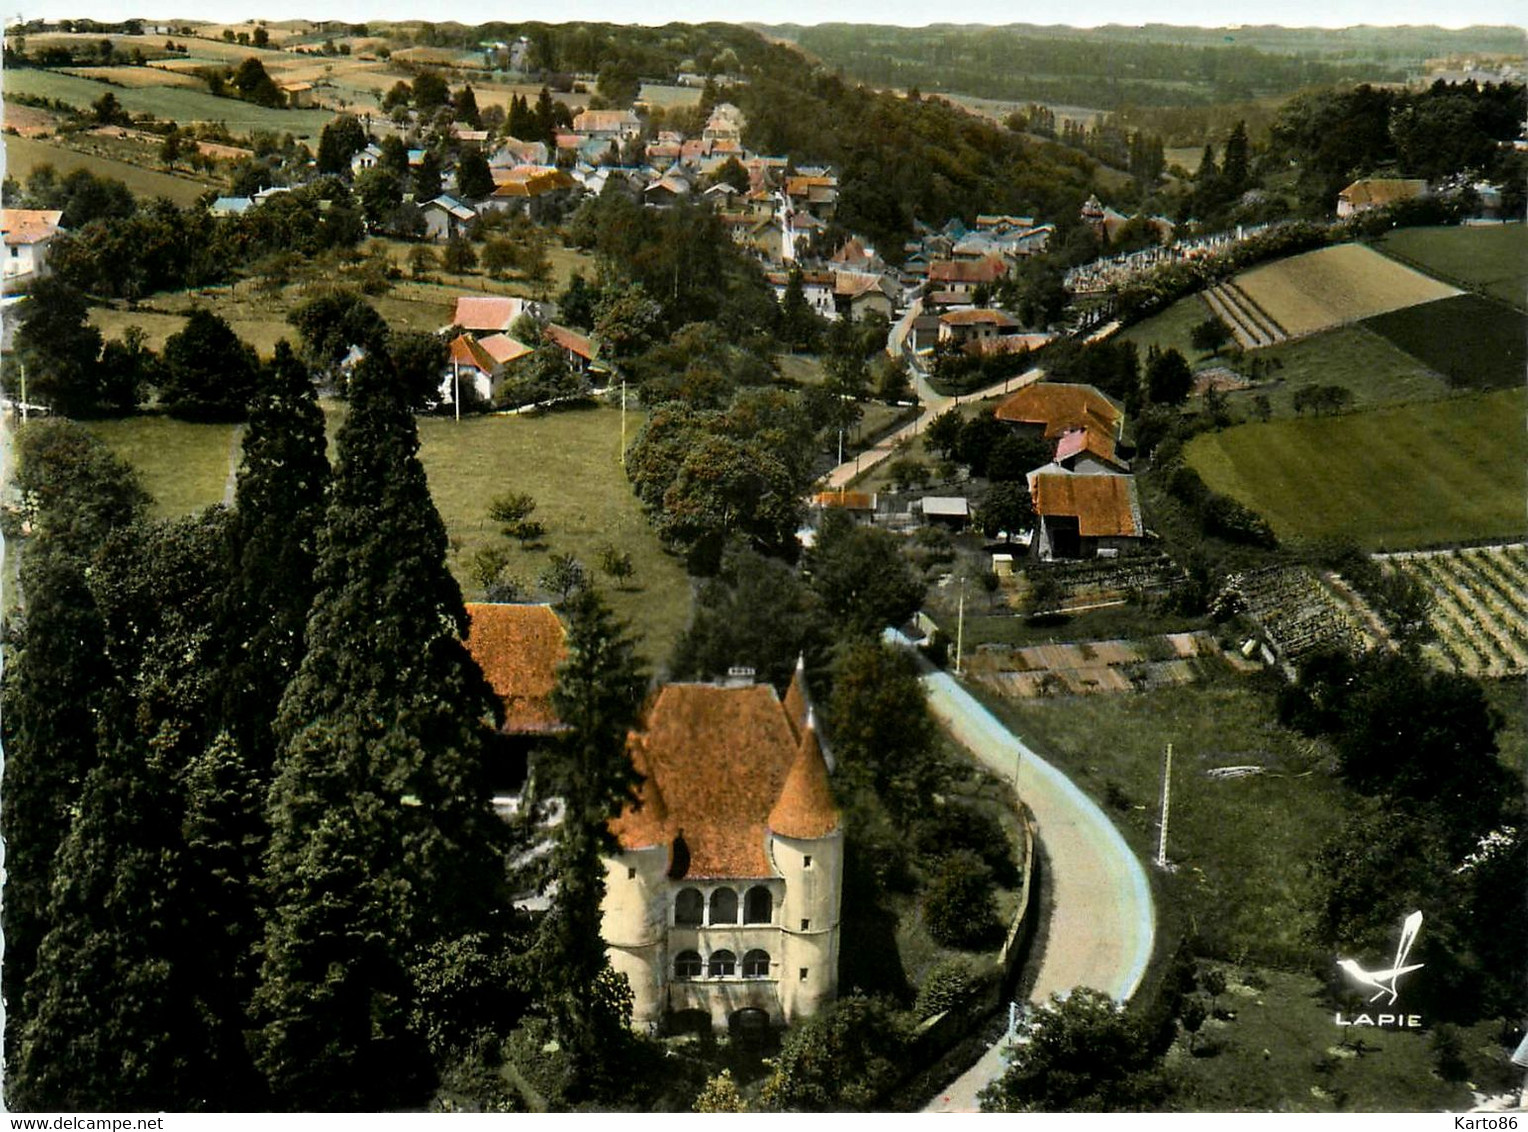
(1318, 290)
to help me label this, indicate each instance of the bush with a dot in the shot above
(952, 827)
(950, 983)
(960, 907)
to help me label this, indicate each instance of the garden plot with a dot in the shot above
(1297, 611)
(1480, 606)
(1090, 667)
(1322, 289)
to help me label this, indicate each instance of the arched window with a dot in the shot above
(687, 965)
(758, 906)
(756, 964)
(723, 964)
(689, 907)
(724, 906)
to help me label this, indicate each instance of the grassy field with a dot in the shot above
(183, 466)
(1492, 259)
(1393, 478)
(1474, 342)
(183, 106)
(1326, 288)
(1247, 895)
(1170, 330)
(566, 461)
(1355, 357)
(137, 78)
(1281, 1052)
(22, 155)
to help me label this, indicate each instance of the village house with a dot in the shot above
(1378, 192)
(512, 152)
(1084, 516)
(475, 364)
(722, 901)
(620, 125)
(974, 326)
(1056, 408)
(488, 314)
(300, 95)
(365, 159)
(858, 294)
(446, 217)
(28, 232)
(962, 276)
(536, 190)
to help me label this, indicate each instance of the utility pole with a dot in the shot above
(23, 393)
(960, 626)
(622, 455)
(1167, 782)
(456, 396)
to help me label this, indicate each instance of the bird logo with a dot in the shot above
(1385, 981)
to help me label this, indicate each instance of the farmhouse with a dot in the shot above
(1378, 192)
(474, 364)
(1083, 516)
(722, 901)
(607, 124)
(1057, 408)
(28, 231)
(978, 325)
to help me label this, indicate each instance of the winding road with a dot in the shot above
(1102, 924)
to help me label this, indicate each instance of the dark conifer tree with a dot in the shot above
(383, 848)
(55, 668)
(273, 546)
(599, 690)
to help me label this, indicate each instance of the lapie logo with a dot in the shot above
(1385, 981)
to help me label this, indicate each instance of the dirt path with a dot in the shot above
(1103, 924)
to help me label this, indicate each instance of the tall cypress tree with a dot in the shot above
(75, 492)
(598, 695)
(273, 544)
(383, 845)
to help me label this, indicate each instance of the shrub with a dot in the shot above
(960, 907)
(950, 983)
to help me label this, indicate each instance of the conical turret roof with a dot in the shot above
(806, 808)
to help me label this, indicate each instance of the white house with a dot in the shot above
(28, 231)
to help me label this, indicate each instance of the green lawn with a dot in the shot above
(1392, 478)
(1474, 342)
(1170, 330)
(170, 103)
(1240, 845)
(566, 461)
(22, 155)
(1376, 371)
(183, 466)
(1492, 259)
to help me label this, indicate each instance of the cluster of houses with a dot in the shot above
(723, 890)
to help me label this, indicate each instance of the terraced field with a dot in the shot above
(1480, 606)
(1318, 290)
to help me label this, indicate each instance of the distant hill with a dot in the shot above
(1155, 65)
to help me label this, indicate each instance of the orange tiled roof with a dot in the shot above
(1061, 407)
(848, 500)
(1091, 441)
(503, 349)
(29, 225)
(570, 340)
(480, 312)
(1376, 192)
(468, 351)
(1102, 505)
(806, 808)
(518, 647)
(988, 270)
(723, 761)
(977, 316)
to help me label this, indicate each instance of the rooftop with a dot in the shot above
(518, 647)
(1102, 505)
